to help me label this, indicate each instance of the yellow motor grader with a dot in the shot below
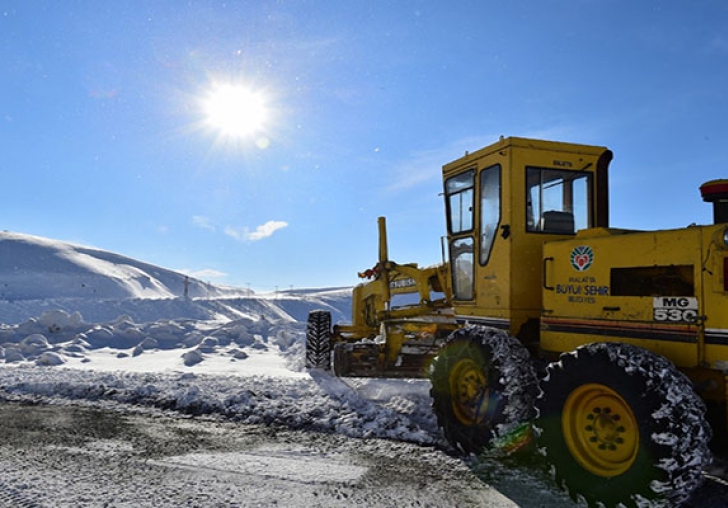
(612, 343)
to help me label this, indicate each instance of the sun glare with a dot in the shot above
(235, 111)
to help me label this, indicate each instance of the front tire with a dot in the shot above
(483, 386)
(622, 426)
(318, 340)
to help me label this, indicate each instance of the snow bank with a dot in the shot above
(322, 404)
(247, 370)
(70, 338)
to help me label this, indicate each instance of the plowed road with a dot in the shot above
(53, 456)
(61, 456)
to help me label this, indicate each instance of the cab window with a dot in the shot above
(557, 201)
(459, 197)
(461, 253)
(490, 210)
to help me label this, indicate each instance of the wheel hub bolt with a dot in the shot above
(604, 428)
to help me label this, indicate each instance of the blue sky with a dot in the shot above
(104, 138)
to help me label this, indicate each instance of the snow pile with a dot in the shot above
(322, 404)
(246, 370)
(68, 337)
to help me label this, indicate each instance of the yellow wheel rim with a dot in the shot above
(469, 389)
(600, 430)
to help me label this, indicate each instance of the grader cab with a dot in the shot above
(610, 343)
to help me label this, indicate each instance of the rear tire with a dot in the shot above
(483, 386)
(622, 426)
(318, 340)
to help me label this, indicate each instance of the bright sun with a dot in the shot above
(235, 111)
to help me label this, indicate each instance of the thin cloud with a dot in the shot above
(237, 233)
(208, 273)
(719, 44)
(262, 231)
(204, 274)
(425, 166)
(203, 222)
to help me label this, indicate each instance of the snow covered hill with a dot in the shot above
(34, 268)
(40, 274)
(64, 305)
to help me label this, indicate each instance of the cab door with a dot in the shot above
(460, 204)
(477, 246)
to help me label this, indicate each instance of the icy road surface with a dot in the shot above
(69, 456)
(61, 456)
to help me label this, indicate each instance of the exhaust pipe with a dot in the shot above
(716, 192)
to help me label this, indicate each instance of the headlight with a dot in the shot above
(720, 238)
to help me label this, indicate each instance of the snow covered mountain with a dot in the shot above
(64, 304)
(39, 274)
(32, 268)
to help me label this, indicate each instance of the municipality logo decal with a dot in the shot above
(582, 258)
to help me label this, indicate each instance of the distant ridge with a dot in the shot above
(39, 274)
(36, 268)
